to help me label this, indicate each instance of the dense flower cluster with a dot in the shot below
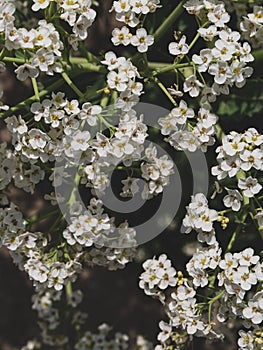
(226, 62)
(130, 12)
(252, 26)
(199, 136)
(79, 142)
(77, 13)
(239, 273)
(239, 152)
(200, 218)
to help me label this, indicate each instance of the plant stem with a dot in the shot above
(168, 67)
(71, 84)
(211, 302)
(31, 99)
(34, 84)
(170, 20)
(87, 65)
(2, 54)
(14, 60)
(236, 232)
(163, 88)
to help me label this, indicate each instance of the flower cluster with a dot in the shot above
(240, 151)
(158, 275)
(47, 303)
(226, 62)
(122, 77)
(156, 172)
(78, 14)
(181, 305)
(252, 26)
(251, 340)
(198, 137)
(100, 341)
(141, 40)
(43, 43)
(77, 143)
(241, 271)
(129, 12)
(200, 218)
(11, 222)
(204, 259)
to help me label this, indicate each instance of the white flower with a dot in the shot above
(140, 6)
(142, 40)
(205, 222)
(80, 28)
(43, 59)
(221, 72)
(203, 60)
(117, 81)
(223, 50)
(37, 139)
(246, 340)
(166, 277)
(192, 85)
(121, 147)
(182, 113)
(166, 332)
(194, 325)
(229, 36)
(130, 187)
(180, 48)
(251, 159)
(193, 6)
(168, 124)
(72, 107)
(40, 4)
(240, 73)
(121, 36)
(209, 33)
(26, 71)
(250, 186)
(233, 199)
(254, 312)
(121, 6)
(245, 52)
(112, 61)
(244, 277)
(247, 257)
(80, 141)
(219, 16)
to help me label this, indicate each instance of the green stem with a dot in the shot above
(168, 67)
(25, 103)
(87, 65)
(72, 198)
(38, 217)
(14, 60)
(163, 88)
(211, 302)
(236, 232)
(74, 60)
(169, 22)
(2, 54)
(71, 84)
(34, 84)
(69, 290)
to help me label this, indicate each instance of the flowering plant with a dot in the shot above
(90, 117)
